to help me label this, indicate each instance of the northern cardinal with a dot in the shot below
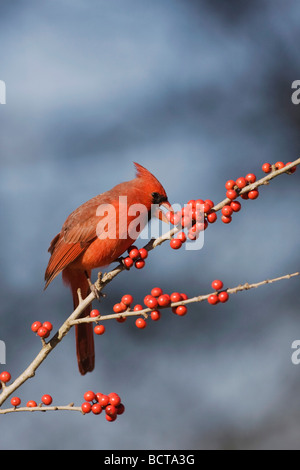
(81, 247)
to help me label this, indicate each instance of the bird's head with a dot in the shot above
(153, 190)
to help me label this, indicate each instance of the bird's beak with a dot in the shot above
(160, 214)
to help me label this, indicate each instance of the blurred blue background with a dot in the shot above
(198, 92)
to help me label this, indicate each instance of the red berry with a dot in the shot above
(139, 264)
(120, 409)
(155, 315)
(181, 310)
(47, 399)
(253, 194)
(48, 325)
(143, 253)
(156, 291)
(245, 196)
(241, 182)
(267, 168)
(175, 243)
(181, 236)
(186, 221)
(96, 409)
(15, 401)
(250, 178)
(184, 296)
(175, 297)
(128, 262)
(127, 299)
(230, 184)
(223, 296)
(103, 400)
(212, 217)
(110, 410)
(31, 404)
(89, 396)
(225, 219)
(43, 332)
(217, 284)
(35, 326)
(99, 329)
(231, 194)
(111, 418)
(209, 202)
(235, 206)
(175, 218)
(164, 300)
(5, 376)
(138, 307)
(213, 299)
(227, 210)
(86, 407)
(119, 308)
(151, 302)
(141, 323)
(291, 170)
(121, 319)
(279, 165)
(94, 313)
(114, 399)
(134, 253)
(207, 207)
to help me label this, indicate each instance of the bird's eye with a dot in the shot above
(158, 198)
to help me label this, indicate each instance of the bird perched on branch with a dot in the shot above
(84, 243)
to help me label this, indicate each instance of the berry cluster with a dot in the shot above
(42, 329)
(220, 295)
(97, 402)
(268, 168)
(46, 400)
(135, 257)
(157, 300)
(194, 217)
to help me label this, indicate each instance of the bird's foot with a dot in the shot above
(97, 293)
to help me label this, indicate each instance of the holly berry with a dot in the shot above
(127, 299)
(156, 291)
(35, 326)
(250, 178)
(291, 170)
(103, 400)
(181, 236)
(181, 310)
(143, 253)
(175, 297)
(5, 377)
(111, 418)
(279, 165)
(231, 194)
(139, 264)
(114, 399)
(15, 401)
(212, 217)
(110, 410)
(31, 404)
(119, 308)
(175, 243)
(227, 210)
(43, 332)
(213, 299)
(155, 315)
(128, 262)
(120, 409)
(267, 168)
(223, 296)
(134, 253)
(94, 313)
(184, 296)
(230, 184)
(141, 323)
(241, 182)
(225, 219)
(151, 302)
(86, 407)
(96, 409)
(138, 307)
(46, 399)
(164, 300)
(217, 284)
(48, 325)
(100, 329)
(235, 206)
(253, 194)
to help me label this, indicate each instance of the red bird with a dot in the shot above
(83, 244)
